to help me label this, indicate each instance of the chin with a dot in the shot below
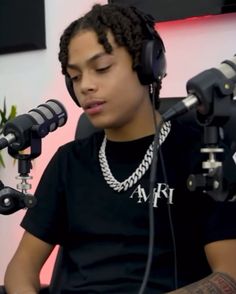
(101, 123)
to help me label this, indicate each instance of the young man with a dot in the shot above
(93, 197)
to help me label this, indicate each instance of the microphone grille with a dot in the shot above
(59, 109)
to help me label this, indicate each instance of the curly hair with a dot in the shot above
(126, 25)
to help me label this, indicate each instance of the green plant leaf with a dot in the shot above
(3, 113)
(4, 119)
(5, 106)
(12, 113)
(1, 160)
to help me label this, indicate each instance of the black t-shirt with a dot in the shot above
(105, 234)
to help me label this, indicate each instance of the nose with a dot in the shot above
(87, 83)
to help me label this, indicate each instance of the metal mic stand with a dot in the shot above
(210, 182)
(216, 96)
(12, 200)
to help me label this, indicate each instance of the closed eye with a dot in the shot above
(75, 78)
(103, 69)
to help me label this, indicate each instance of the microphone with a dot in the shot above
(202, 84)
(37, 122)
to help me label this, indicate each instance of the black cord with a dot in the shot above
(156, 150)
(171, 224)
(151, 189)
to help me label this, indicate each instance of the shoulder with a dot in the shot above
(80, 148)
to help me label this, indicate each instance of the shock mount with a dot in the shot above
(12, 200)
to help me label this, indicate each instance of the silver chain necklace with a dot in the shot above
(141, 169)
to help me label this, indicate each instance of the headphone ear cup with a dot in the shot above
(70, 88)
(153, 62)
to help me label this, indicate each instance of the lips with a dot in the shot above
(93, 107)
(92, 104)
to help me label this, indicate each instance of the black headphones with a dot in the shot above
(152, 67)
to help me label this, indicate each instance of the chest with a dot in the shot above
(93, 207)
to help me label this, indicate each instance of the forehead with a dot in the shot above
(84, 45)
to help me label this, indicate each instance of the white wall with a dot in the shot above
(28, 79)
(194, 45)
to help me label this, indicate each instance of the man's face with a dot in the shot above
(105, 84)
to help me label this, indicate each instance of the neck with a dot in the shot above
(142, 127)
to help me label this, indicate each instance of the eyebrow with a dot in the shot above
(91, 59)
